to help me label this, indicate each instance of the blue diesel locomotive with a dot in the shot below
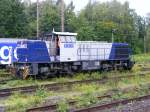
(8, 53)
(61, 53)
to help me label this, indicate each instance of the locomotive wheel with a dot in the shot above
(105, 67)
(70, 71)
(48, 74)
(44, 76)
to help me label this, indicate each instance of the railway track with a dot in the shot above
(3, 78)
(59, 86)
(53, 107)
(4, 81)
(145, 69)
(98, 108)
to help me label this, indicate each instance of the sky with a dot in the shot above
(142, 7)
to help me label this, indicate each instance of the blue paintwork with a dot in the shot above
(36, 52)
(7, 52)
(113, 51)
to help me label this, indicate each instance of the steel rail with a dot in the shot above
(59, 86)
(4, 81)
(112, 104)
(54, 106)
(96, 108)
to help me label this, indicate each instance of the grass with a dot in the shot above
(17, 83)
(80, 76)
(20, 102)
(4, 75)
(142, 58)
(90, 98)
(84, 93)
(62, 106)
(30, 81)
(87, 99)
(86, 88)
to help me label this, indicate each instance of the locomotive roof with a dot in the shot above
(120, 43)
(63, 33)
(7, 40)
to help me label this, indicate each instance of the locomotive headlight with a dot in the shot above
(22, 68)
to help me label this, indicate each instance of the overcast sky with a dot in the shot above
(142, 7)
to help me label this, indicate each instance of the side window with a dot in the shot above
(62, 38)
(68, 39)
(73, 38)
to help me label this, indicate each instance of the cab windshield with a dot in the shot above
(67, 38)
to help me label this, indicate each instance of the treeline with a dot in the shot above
(97, 21)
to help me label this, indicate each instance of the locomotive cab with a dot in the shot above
(62, 46)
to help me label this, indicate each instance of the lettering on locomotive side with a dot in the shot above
(68, 46)
(6, 54)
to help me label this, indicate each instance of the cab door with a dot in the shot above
(68, 49)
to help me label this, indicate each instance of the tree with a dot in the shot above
(12, 19)
(97, 21)
(30, 11)
(70, 17)
(147, 36)
(50, 17)
(103, 18)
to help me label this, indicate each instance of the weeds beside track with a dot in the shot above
(96, 108)
(112, 104)
(59, 86)
(54, 106)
